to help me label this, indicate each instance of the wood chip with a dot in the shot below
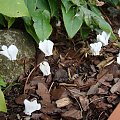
(115, 114)
(63, 102)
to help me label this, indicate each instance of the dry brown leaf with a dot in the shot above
(93, 89)
(115, 88)
(43, 92)
(73, 114)
(84, 102)
(21, 98)
(57, 92)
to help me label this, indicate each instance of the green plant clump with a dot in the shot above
(3, 107)
(76, 14)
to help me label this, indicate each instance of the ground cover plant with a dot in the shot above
(75, 78)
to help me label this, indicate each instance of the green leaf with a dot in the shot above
(67, 5)
(79, 2)
(3, 107)
(10, 21)
(93, 19)
(53, 7)
(31, 5)
(2, 20)
(14, 8)
(42, 25)
(43, 5)
(72, 21)
(31, 31)
(95, 10)
(2, 83)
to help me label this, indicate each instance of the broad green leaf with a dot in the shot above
(3, 107)
(31, 5)
(13, 8)
(31, 31)
(2, 83)
(10, 21)
(79, 2)
(43, 5)
(53, 4)
(42, 25)
(93, 19)
(67, 4)
(72, 22)
(2, 20)
(95, 10)
(28, 20)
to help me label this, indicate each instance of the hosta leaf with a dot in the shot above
(2, 20)
(67, 4)
(2, 83)
(2, 102)
(42, 25)
(31, 5)
(43, 5)
(30, 29)
(72, 21)
(53, 4)
(14, 8)
(93, 19)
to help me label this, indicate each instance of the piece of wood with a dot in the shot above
(115, 114)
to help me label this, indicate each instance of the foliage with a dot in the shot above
(78, 16)
(15, 9)
(3, 107)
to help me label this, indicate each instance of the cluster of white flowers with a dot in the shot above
(46, 47)
(102, 40)
(9, 52)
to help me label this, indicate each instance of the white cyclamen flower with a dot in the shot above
(119, 32)
(31, 106)
(45, 68)
(10, 52)
(118, 59)
(103, 38)
(46, 47)
(95, 48)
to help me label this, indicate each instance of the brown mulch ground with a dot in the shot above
(80, 87)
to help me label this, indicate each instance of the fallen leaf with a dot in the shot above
(61, 75)
(57, 92)
(42, 91)
(72, 114)
(21, 98)
(115, 88)
(93, 89)
(84, 102)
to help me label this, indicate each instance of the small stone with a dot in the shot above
(9, 70)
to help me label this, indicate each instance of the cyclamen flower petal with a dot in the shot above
(46, 47)
(103, 38)
(95, 48)
(45, 68)
(118, 59)
(31, 106)
(10, 52)
(119, 32)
